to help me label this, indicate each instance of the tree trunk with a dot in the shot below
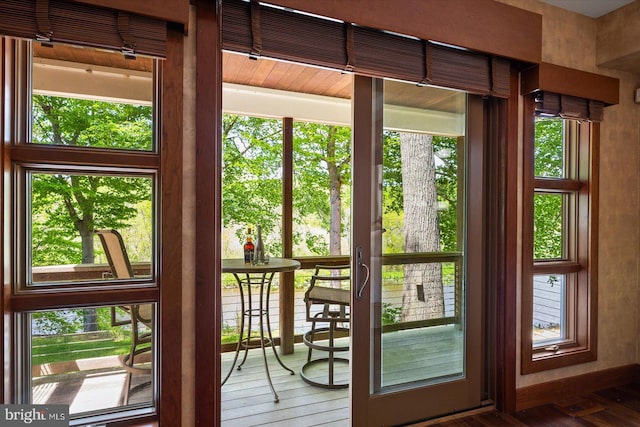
(423, 296)
(335, 200)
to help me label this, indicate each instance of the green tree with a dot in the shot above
(66, 207)
(322, 180)
(548, 208)
(251, 176)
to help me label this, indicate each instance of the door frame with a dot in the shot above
(383, 409)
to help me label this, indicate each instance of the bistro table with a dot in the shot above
(259, 276)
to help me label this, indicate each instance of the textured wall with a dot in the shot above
(569, 39)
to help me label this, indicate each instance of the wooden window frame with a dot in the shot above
(164, 289)
(579, 262)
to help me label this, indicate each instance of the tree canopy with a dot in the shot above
(67, 207)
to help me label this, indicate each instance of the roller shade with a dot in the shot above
(551, 104)
(262, 30)
(85, 25)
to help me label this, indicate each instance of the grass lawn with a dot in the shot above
(60, 348)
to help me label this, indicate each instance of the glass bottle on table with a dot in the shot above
(248, 248)
(258, 252)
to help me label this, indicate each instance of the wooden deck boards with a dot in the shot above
(247, 399)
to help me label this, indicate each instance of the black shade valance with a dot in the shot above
(85, 25)
(551, 104)
(261, 30)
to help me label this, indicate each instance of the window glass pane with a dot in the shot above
(65, 212)
(549, 306)
(549, 150)
(251, 183)
(421, 308)
(549, 231)
(93, 359)
(91, 98)
(321, 189)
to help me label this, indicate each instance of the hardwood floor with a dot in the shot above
(615, 407)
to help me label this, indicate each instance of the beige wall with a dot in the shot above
(569, 39)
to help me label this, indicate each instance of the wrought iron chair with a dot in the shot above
(139, 316)
(328, 302)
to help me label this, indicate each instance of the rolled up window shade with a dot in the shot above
(84, 25)
(551, 104)
(304, 38)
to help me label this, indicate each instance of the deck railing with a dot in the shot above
(291, 322)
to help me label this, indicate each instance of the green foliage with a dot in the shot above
(66, 207)
(57, 322)
(548, 208)
(548, 148)
(321, 159)
(251, 181)
(447, 176)
(390, 313)
(252, 184)
(88, 123)
(60, 348)
(548, 226)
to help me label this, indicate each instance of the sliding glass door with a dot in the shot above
(417, 254)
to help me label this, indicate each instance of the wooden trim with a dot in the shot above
(208, 308)
(555, 267)
(366, 134)
(87, 158)
(548, 392)
(287, 292)
(556, 185)
(506, 295)
(481, 25)
(171, 196)
(581, 266)
(168, 10)
(567, 81)
(7, 95)
(57, 299)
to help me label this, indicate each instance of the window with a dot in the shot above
(85, 161)
(559, 239)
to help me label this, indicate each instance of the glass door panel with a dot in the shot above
(417, 245)
(422, 295)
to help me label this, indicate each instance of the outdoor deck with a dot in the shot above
(247, 399)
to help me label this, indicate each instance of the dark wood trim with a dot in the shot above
(567, 81)
(366, 133)
(287, 292)
(171, 248)
(548, 392)
(208, 310)
(506, 292)
(168, 10)
(514, 32)
(6, 115)
(56, 298)
(555, 185)
(87, 158)
(581, 267)
(555, 267)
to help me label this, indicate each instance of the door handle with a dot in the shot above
(360, 266)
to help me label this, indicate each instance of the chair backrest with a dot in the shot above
(327, 287)
(116, 253)
(328, 275)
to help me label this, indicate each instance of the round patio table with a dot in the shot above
(258, 276)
